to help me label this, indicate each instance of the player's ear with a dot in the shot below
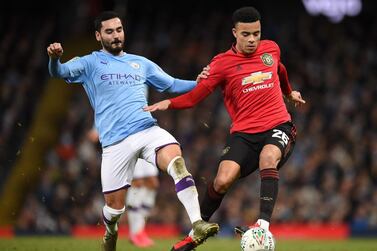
(234, 32)
(98, 36)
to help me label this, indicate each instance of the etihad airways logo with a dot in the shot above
(117, 79)
(257, 78)
(117, 76)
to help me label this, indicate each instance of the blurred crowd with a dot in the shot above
(330, 178)
(22, 78)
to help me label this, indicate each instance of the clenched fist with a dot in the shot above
(55, 50)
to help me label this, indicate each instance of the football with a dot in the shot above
(257, 239)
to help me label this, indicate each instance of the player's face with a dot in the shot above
(111, 36)
(247, 36)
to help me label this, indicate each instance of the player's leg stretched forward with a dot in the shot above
(228, 172)
(169, 159)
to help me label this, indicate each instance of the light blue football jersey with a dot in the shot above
(115, 86)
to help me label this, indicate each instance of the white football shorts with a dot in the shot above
(119, 160)
(144, 169)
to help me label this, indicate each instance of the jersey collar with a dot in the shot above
(118, 56)
(235, 51)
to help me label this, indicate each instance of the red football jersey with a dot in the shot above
(250, 87)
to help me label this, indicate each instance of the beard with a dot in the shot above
(113, 47)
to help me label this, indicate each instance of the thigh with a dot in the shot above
(240, 150)
(284, 137)
(156, 140)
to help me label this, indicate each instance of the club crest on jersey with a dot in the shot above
(267, 59)
(256, 78)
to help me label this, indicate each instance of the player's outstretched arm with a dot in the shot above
(184, 101)
(183, 86)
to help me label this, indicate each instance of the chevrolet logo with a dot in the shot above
(256, 78)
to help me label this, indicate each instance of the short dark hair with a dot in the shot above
(103, 16)
(245, 15)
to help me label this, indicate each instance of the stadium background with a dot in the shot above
(49, 170)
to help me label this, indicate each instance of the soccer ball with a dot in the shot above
(257, 239)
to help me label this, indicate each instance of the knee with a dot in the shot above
(268, 160)
(221, 184)
(166, 154)
(177, 168)
(115, 204)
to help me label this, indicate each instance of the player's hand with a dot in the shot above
(296, 98)
(203, 75)
(55, 50)
(160, 106)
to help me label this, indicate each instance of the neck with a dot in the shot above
(114, 54)
(241, 51)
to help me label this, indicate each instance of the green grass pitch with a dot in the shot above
(214, 244)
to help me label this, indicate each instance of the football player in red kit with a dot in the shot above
(253, 82)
